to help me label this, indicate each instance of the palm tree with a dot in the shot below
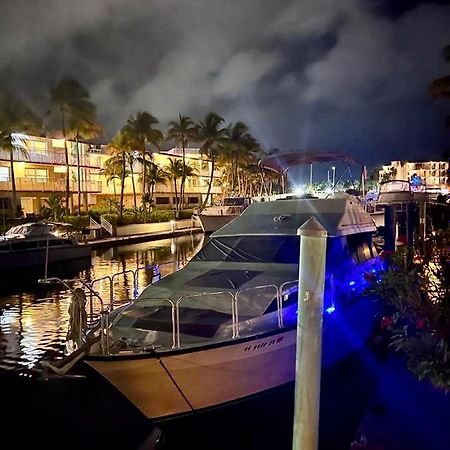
(15, 116)
(120, 148)
(212, 136)
(440, 88)
(140, 128)
(239, 143)
(182, 132)
(84, 128)
(72, 102)
(131, 158)
(175, 170)
(112, 173)
(154, 175)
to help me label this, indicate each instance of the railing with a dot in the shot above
(106, 225)
(26, 184)
(277, 293)
(53, 157)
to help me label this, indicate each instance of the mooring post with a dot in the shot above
(311, 280)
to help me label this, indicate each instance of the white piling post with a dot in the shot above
(311, 279)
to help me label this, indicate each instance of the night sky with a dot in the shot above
(345, 74)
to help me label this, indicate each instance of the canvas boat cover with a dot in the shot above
(258, 248)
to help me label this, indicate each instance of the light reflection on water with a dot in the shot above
(34, 320)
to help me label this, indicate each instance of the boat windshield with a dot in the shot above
(263, 249)
(234, 201)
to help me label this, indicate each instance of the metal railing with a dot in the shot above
(106, 225)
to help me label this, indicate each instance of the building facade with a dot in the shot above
(433, 174)
(40, 169)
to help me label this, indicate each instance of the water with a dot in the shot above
(34, 318)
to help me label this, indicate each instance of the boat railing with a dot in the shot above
(104, 318)
(231, 295)
(254, 290)
(273, 291)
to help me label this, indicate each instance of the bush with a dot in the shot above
(186, 213)
(161, 216)
(113, 219)
(78, 222)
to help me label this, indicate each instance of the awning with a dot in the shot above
(282, 162)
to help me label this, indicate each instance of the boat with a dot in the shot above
(223, 328)
(34, 244)
(212, 218)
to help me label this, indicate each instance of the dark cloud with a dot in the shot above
(346, 74)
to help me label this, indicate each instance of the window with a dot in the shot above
(4, 173)
(162, 200)
(36, 174)
(5, 203)
(192, 200)
(37, 147)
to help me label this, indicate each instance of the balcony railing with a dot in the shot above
(52, 157)
(29, 185)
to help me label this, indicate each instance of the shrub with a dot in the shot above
(161, 216)
(78, 222)
(113, 219)
(186, 213)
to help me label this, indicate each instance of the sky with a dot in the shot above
(349, 75)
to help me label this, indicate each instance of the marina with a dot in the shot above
(33, 321)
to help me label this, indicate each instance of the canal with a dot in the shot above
(34, 317)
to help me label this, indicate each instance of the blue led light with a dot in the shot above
(351, 283)
(331, 309)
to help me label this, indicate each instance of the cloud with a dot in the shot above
(301, 73)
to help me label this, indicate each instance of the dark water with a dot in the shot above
(34, 318)
(86, 412)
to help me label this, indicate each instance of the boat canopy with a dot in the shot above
(340, 215)
(29, 230)
(281, 162)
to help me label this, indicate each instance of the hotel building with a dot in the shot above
(41, 170)
(434, 174)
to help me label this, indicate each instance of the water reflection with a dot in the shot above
(34, 318)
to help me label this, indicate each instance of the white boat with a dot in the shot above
(33, 244)
(214, 217)
(224, 327)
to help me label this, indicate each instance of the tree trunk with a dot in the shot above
(213, 160)
(66, 153)
(132, 183)
(124, 167)
(13, 182)
(78, 175)
(144, 173)
(183, 175)
(176, 199)
(152, 192)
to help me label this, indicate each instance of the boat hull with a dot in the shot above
(211, 223)
(37, 256)
(181, 383)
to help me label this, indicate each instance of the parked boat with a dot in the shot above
(214, 217)
(224, 327)
(33, 244)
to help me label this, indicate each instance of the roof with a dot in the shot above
(340, 215)
(282, 162)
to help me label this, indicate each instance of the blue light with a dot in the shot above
(351, 283)
(331, 309)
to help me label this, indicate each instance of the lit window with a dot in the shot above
(36, 174)
(37, 147)
(4, 173)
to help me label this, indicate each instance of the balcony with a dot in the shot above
(169, 189)
(53, 158)
(30, 185)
